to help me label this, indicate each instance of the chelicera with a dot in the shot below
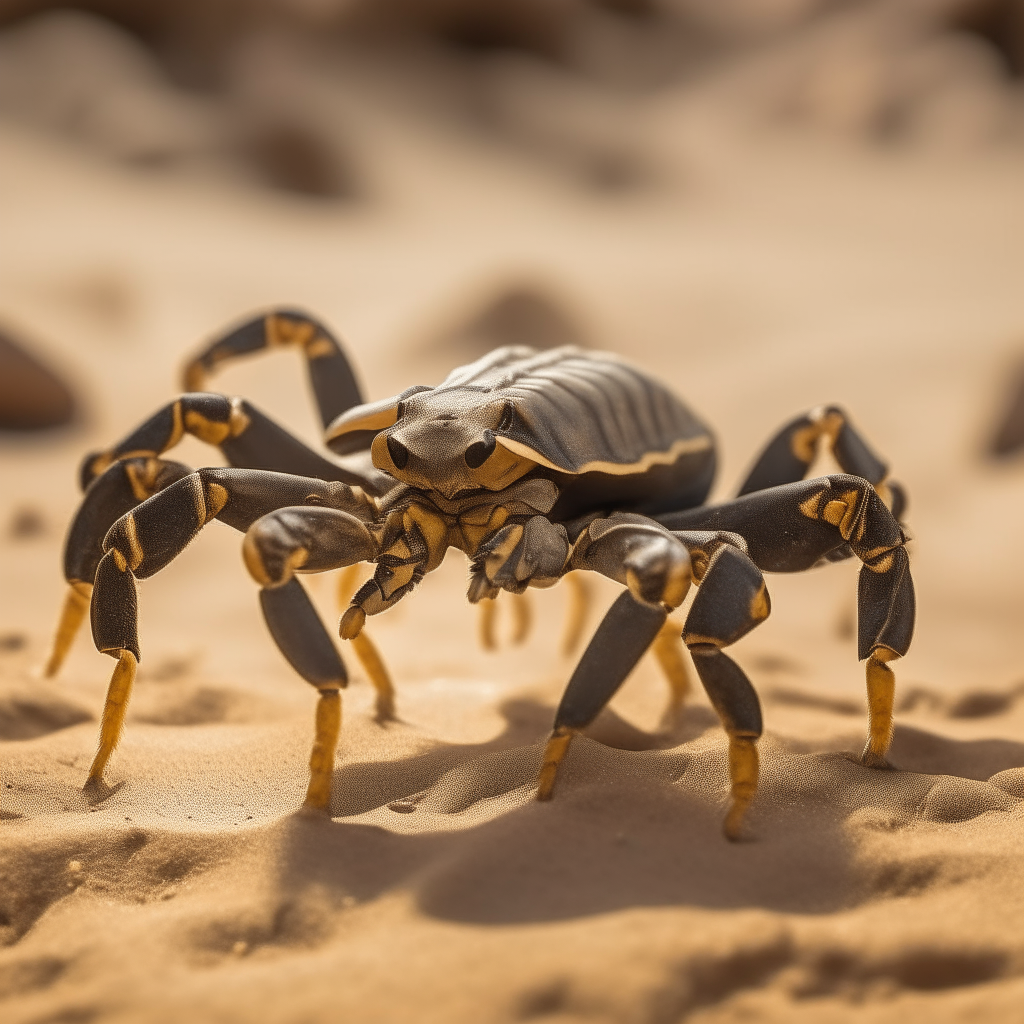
(535, 465)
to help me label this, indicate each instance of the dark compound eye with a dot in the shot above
(480, 451)
(398, 452)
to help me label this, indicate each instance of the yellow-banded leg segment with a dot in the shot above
(115, 708)
(881, 682)
(117, 491)
(620, 641)
(144, 540)
(330, 373)
(795, 526)
(668, 650)
(731, 601)
(366, 650)
(247, 438)
(325, 746)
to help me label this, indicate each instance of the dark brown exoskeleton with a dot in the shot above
(533, 464)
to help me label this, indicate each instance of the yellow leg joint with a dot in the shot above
(373, 664)
(119, 692)
(881, 696)
(668, 649)
(743, 770)
(488, 613)
(554, 753)
(522, 617)
(321, 760)
(76, 605)
(579, 593)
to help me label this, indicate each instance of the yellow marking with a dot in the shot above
(834, 512)
(502, 468)
(76, 604)
(238, 420)
(684, 446)
(373, 663)
(498, 556)
(668, 650)
(348, 584)
(177, 427)
(283, 330)
(884, 491)
(352, 623)
(320, 347)
(142, 479)
(809, 507)
(693, 639)
(216, 499)
(325, 746)
(208, 431)
(580, 593)
(677, 586)
(119, 692)
(195, 376)
(803, 442)
(554, 753)
(488, 613)
(103, 462)
(884, 564)
(199, 499)
(881, 683)
(434, 529)
(522, 617)
(760, 606)
(132, 536)
(743, 772)
(119, 560)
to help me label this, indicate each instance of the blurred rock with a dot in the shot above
(517, 315)
(1009, 434)
(27, 523)
(32, 397)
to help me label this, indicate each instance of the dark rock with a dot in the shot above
(32, 396)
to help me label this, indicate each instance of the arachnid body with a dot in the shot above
(533, 464)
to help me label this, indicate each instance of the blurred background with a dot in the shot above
(771, 203)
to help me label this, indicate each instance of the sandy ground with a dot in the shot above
(765, 278)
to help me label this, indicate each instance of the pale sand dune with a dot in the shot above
(439, 890)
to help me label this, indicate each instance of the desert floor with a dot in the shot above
(768, 276)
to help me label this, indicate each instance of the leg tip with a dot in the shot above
(352, 623)
(872, 759)
(96, 790)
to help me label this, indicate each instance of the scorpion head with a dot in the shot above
(448, 441)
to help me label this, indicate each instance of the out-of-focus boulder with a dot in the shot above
(32, 396)
(519, 314)
(1008, 437)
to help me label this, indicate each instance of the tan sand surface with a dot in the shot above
(765, 279)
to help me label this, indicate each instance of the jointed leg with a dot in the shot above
(790, 454)
(330, 372)
(730, 602)
(625, 633)
(119, 489)
(793, 527)
(144, 540)
(366, 650)
(580, 599)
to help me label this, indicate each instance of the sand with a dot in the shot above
(767, 276)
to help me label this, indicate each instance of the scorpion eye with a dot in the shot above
(480, 451)
(398, 452)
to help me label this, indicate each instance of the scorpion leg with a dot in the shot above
(656, 568)
(118, 490)
(580, 599)
(731, 600)
(330, 373)
(366, 650)
(625, 633)
(790, 453)
(793, 527)
(147, 538)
